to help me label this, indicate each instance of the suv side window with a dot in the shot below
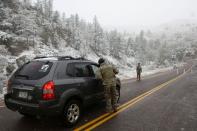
(71, 70)
(78, 70)
(94, 69)
(82, 70)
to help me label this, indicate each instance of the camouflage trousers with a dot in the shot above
(111, 97)
(139, 76)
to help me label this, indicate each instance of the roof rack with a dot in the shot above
(65, 58)
(61, 57)
(40, 57)
(80, 58)
(70, 58)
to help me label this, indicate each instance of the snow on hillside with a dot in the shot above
(179, 25)
(176, 28)
(27, 31)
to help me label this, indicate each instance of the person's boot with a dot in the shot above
(108, 111)
(115, 109)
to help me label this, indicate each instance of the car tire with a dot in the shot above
(72, 113)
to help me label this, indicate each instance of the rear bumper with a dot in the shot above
(44, 108)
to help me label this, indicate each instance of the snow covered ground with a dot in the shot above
(129, 74)
(36, 31)
(1, 95)
(2, 91)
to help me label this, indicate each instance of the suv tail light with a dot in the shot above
(48, 91)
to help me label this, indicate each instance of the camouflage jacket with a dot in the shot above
(139, 69)
(107, 74)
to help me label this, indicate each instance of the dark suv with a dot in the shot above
(53, 86)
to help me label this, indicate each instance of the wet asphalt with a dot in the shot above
(169, 109)
(173, 108)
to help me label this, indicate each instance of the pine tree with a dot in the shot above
(98, 37)
(56, 17)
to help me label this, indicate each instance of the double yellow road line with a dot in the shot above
(107, 116)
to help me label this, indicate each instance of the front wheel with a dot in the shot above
(72, 113)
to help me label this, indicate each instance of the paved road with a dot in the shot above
(148, 114)
(173, 108)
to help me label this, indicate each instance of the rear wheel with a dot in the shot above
(72, 113)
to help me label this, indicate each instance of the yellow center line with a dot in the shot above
(107, 116)
(131, 104)
(116, 113)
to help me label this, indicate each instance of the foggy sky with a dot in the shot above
(129, 12)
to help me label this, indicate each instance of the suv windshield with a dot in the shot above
(34, 70)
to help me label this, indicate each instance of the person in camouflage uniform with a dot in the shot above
(107, 74)
(139, 71)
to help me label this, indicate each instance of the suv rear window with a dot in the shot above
(34, 70)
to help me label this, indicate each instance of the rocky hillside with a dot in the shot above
(34, 29)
